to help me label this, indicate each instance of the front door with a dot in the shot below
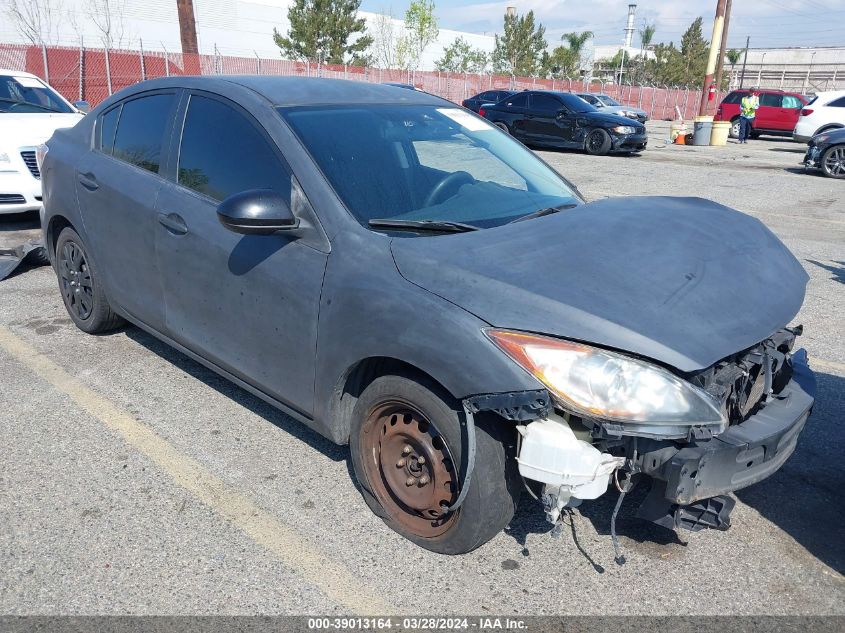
(547, 121)
(769, 111)
(117, 186)
(247, 303)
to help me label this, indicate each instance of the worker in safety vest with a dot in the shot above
(748, 110)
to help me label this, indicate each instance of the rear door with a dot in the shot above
(790, 111)
(117, 186)
(514, 110)
(248, 303)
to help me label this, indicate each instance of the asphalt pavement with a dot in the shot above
(135, 481)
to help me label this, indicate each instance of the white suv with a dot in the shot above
(30, 111)
(825, 112)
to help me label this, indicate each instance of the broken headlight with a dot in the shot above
(595, 383)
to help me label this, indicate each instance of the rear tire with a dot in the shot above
(81, 287)
(597, 142)
(734, 131)
(503, 127)
(400, 419)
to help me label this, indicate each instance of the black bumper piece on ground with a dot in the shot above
(688, 488)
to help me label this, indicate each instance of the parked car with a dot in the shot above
(777, 114)
(826, 151)
(399, 275)
(30, 111)
(825, 112)
(562, 120)
(608, 104)
(489, 96)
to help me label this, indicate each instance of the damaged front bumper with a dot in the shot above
(690, 477)
(629, 142)
(743, 455)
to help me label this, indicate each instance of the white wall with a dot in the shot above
(235, 27)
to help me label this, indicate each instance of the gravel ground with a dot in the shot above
(135, 481)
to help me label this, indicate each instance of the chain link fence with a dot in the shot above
(92, 74)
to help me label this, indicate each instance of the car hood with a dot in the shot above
(602, 116)
(18, 130)
(683, 281)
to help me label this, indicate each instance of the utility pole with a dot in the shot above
(629, 36)
(715, 40)
(723, 49)
(187, 26)
(744, 60)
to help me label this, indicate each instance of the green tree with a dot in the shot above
(675, 66)
(694, 52)
(322, 31)
(460, 57)
(519, 51)
(420, 31)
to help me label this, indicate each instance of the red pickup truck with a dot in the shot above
(778, 112)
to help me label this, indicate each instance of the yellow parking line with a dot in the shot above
(827, 365)
(335, 581)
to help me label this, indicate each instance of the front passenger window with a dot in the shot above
(223, 153)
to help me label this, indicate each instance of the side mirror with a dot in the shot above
(256, 212)
(83, 106)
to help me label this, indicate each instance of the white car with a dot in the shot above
(30, 111)
(825, 112)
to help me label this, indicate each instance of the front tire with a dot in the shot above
(81, 287)
(597, 142)
(408, 443)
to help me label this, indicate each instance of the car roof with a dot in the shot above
(297, 91)
(16, 73)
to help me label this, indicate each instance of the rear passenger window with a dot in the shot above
(518, 101)
(837, 103)
(223, 153)
(735, 97)
(140, 130)
(106, 130)
(790, 101)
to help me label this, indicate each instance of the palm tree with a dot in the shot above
(646, 36)
(733, 56)
(575, 42)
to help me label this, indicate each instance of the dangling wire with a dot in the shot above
(620, 559)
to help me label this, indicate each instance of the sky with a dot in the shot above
(770, 23)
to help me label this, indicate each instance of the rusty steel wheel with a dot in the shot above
(407, 446)
(410, 468)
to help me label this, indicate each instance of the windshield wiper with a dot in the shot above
(541, 212)
(28, 103)
(422, 225)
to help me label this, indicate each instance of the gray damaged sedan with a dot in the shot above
(404, 278)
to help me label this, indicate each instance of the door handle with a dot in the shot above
(173, 223)
(88, 181)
